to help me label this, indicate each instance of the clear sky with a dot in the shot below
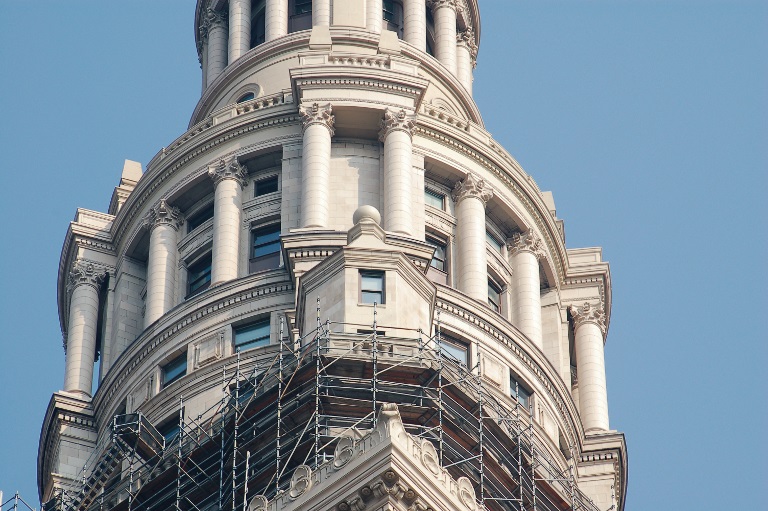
(647, 119)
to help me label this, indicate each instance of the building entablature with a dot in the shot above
(588, 281)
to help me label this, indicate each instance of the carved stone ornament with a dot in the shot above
(300, 482)
(589, 313)
(258, 503)
(395, 121)
(210, 19)
(456, 5)
(343, 452)
(467, 493)
(84, 273)
(429, 457)
(526, 242)
(316, 114)
(228, 168)
(163, 214)
(472, 186)
(467, 38)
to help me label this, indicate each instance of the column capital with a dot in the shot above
(210, 19)
(472, 186)
(317, 114)
(588, 313)
(526, 242)
(467, 38)
(87, 274)
(163, 213)
(228, 169)
(456, 5)
(395, 121)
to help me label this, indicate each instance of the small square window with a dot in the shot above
(494, 296)
(174, 369)
(265, 186)
(265, 252)
(200, 217)
(454, 349)
(372, 287)
(199, 276)
(496, 244)
(516, 390)
(252, 335)
(170, 429)
(434, 199)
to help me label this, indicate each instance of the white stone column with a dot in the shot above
(589, 324)
(398, 185)
(321, 13)
(466, 54)
(415, 23)
(84, 284)
(239, 28)
(163, 221)
(374, 16)
(470, 196)
(276, 19)
(525, 250)
(202, 45)
(229, 179)
(215, 27)
(444, 14)
(316, 164)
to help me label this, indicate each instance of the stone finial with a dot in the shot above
(472, 186)
(526, 242)
(163, 214)
(395, 121)
(588, 313)
(85, 273)
(228, 169)
(366, 213)
(316, 114)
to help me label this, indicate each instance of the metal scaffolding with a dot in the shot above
(292, 409)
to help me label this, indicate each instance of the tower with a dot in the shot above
(334, 290)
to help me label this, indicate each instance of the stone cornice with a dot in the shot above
(395, 120)
(226, 169)
(472, 186)
(317, 114)
(163, 213)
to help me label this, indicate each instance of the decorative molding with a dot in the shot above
(316, 114)
(86, 273)
(228, 168)
(395, 121)
(472, 186)
(163, 214)
(209, 349)
(589, 313)
(526, 242)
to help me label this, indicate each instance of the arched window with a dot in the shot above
(393, 16)
(246, 97)
(258, 22)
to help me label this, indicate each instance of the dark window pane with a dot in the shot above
(246, 97)
(199, 276)
(266, 240)
(434, 199)
(438, 259)
(253, 335)
(519, 392)
(453, 349)
(372, 287)
(175, 369)
(494, 296)
(265, 186)
(200, 218)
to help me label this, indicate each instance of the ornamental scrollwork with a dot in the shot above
(210, 19)
(317, 114)
(163, 214)
(588, 313)
(228, 169)
(456, 5)
(526, 242)
(395, 121)
(472, 186)
(86, 273)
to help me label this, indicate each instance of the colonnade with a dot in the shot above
(225, 38)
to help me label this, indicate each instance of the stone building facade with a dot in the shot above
(335, 290)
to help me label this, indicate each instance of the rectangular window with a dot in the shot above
(265, 186)
(519, 392)
(200, 217)
(302, 7)
(494, 296)
(434, 199)
(438, 259)
(252, 335)
(170, 430)
(174, 369)
(265, 252)
(300, 15)
(199, 276)
(372, 287)
(393, 16)
(496, 244)
(454, 349)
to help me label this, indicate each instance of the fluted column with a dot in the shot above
(163, 221)
(444, 14)
(415, 23)
(276, 19)
(466, 54)
(84, 284)
(525, 250)
(398, 185)
(589, 325)
(229, 179)
(374, 16)
(470, 196)
(316, 164)
(321, 13)
(239, 28)
(214, 32)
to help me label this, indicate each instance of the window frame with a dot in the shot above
(200, 216)
(258, 21)
(438, 243)
(205, 258)
(257, 342)
(457, 344)
(362, 291)
(492, 285)
(299, 21)
(269, 260)
(165, 368)
(261, 179)
(524, 399)
(397, 13)
(435, 195)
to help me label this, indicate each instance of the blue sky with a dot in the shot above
(647, 119)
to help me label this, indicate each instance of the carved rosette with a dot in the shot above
(588, 313)
(228, 169)
(395, 121)
(456, 5)
(163, 214)
(526, 242)
(85, 274)
(316, 114)
(472, 186)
